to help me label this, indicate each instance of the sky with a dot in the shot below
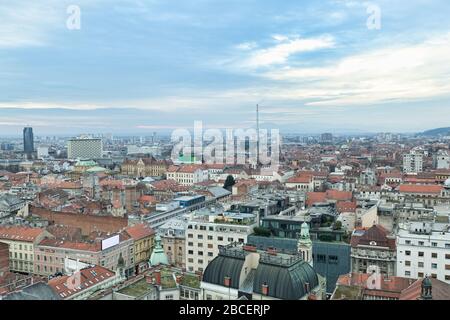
(139, 66)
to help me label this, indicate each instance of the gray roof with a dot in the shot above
(36, 291)
(219, 192)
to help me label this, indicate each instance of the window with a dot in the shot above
(434, 244)
(190, 235)
(200, 261)
(447, 277)
(321, 258)
(190, 260)
(434, 275)
(210, 237)
(200, 245)
(420, 254)
(407, 273)
(420, 264)
(220, 238)
(434, 255)
(408, 242)
(200, 253)
(190, 244)
(447, 256)
(421, 243)
(230, 240)
(210, 254)
(420, 275)
(190, 251)
(408, 253)
(434, 266)
(447, 267)
(210, 246)
(199, 236)
(333, 259)
(407, 263)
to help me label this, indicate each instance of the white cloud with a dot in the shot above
(396, 73)
(286, 47)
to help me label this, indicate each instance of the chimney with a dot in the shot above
(307, 287)
(265, 289)
(157, 275)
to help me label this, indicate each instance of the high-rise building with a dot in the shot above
(413, 162)
(28, 140)
(85, 148)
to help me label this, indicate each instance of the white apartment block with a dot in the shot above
(187, 175)
(423, 249)
(84, 148)
(206, 232)
(442, 160)
(413, 162)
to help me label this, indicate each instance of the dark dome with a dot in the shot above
(221, 267)
(288, 283)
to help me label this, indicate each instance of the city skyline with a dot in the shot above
(135, 67)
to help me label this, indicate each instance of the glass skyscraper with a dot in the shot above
(28, 140)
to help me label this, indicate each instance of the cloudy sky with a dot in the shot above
(138, 66)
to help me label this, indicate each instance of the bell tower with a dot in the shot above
(304, 244)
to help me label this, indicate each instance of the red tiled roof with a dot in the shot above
(66, 286)
(374, 236)
(416, 188)
(139, 231)
(346, 206)
(20, 233)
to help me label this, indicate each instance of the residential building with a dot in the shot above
(145, 167)
(364, 286)
(85, 148)
(413, 162)
(107, 252)
(423, 249)
(373, 248)
(144, 242)
(173, 238)
(22, 242)
(84, 283)
(187, 175)
(210, 228)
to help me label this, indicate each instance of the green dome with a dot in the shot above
(158, 256)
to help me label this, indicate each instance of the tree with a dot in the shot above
(229, 183)
(337, 225)
(261, 231)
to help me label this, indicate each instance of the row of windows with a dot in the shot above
(200, 253)
(421, 275)
(20, 256)
(219, 238)
(25, 247)
(422, 243)
(322, 258)
(422, 265)
(434, 255)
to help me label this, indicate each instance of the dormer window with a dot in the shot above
(373, 243)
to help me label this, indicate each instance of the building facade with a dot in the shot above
(423, 249)
(85, 148)
(373, 248)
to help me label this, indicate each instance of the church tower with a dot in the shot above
(304, 244)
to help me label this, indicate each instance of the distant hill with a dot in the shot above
(437, 132)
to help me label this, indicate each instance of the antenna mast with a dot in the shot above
(257, 134)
